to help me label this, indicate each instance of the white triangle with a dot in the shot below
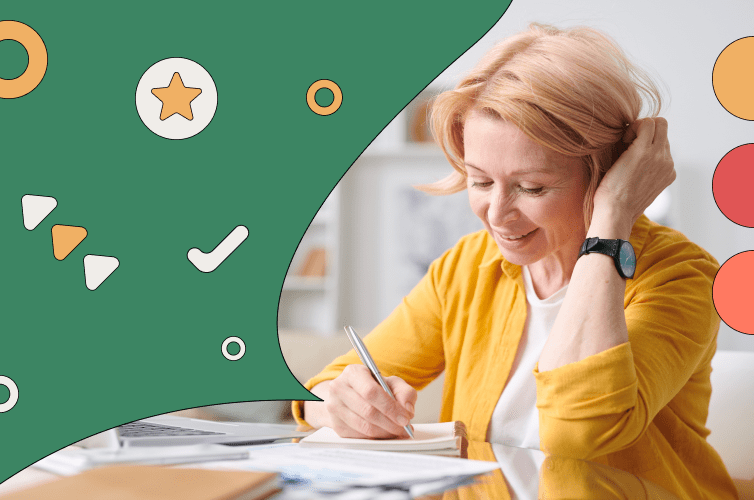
(97, 268)
(36, 208)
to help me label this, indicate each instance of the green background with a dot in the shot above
(147, 341)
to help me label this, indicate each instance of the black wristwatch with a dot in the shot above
(621, 251)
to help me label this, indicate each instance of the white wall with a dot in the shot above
(677, 42)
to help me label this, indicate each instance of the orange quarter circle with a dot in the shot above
(324, 84)
(733, 78)
(65, 239)
(35, 70)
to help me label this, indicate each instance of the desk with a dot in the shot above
(524, 474)
(527, 474)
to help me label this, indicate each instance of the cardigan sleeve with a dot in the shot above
(407, 344)
(604, 403)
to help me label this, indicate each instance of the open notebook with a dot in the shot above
(447, 438)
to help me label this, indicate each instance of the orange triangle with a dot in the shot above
(65, 239)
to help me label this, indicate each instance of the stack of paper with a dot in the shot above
(336, 471)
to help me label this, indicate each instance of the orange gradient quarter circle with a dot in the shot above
(733, 78)
(35, 70)
(332, 87)
(733, 292)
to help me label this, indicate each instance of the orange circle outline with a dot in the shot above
(37, 66)
(332, 87)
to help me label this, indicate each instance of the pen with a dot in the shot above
(361, 350)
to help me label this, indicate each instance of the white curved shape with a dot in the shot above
(13, 399)
(208, 262)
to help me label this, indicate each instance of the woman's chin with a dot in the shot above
(517, 258)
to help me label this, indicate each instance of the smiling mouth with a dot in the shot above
(514, 238)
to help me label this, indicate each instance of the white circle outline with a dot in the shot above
(13, 399)
(241, 352)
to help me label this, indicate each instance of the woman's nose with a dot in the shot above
(502, 210)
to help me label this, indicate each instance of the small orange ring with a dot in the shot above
(337, 97)
(35, 70)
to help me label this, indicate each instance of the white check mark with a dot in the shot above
(208, 262)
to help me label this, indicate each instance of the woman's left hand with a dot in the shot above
(641, 173)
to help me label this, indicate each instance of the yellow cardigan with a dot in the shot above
(640, 406)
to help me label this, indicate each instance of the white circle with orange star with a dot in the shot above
(176, 98)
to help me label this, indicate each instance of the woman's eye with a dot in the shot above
(531, 190)
(477, 184)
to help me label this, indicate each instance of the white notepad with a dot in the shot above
(445, 438)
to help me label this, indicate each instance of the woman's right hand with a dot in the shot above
(638, 176)
(356, 406)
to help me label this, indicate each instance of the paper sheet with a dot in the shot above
(342, 468)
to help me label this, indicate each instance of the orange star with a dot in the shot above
(176, 98)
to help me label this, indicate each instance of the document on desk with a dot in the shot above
(73, 460)
(330, 468)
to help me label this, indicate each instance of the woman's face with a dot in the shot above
(529, 198)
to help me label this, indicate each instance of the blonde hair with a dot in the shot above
(571, 90)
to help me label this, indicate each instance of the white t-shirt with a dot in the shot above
(520, 469)
(515, 421)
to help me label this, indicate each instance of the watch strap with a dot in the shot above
(597, 245)
(611, 248)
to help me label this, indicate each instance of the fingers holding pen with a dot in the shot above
(347, 423)
(404, 394)
(376, 396)
(359, 407)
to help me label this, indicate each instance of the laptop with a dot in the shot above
(170, 430)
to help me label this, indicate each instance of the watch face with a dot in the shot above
(627, 259)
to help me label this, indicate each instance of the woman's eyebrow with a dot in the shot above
(543, 170)
(469, 165)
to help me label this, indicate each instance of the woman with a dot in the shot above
(551, 334)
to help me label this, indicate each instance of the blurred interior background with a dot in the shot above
(374, 237)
